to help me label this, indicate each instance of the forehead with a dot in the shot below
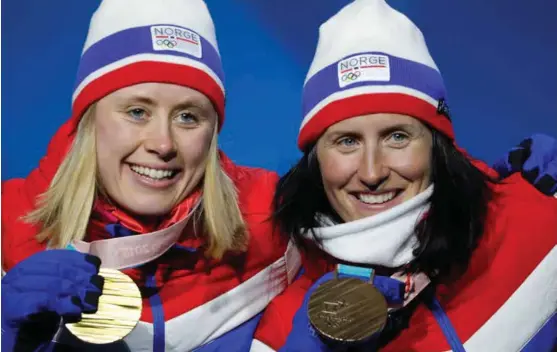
(159, 92)
(375, 122)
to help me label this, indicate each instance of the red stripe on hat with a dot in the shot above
(372, 103)
(149, 71)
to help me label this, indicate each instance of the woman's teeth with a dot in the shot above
(376, 198)
(156, 174)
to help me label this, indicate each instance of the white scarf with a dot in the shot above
(385, 239)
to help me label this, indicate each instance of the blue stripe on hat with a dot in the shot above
(136, 41)
(403, 72)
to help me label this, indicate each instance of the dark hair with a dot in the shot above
(447, 235)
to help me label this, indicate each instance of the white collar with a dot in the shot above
(385, 239)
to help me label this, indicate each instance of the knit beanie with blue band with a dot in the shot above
(138, 41)
(369, 59)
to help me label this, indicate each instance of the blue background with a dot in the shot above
(498, 59)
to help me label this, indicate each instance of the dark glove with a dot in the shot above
(536, 158)
(41, 290)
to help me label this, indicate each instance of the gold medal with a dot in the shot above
(118, 311)
(347, 310)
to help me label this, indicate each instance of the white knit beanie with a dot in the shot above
(138, 41)
(370, 58)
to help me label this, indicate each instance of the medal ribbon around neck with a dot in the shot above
(120, 303)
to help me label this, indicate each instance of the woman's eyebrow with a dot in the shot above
(140, 99)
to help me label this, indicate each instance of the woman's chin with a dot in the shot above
(149, 207)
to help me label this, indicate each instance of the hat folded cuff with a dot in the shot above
(371, 103)
(150, 71)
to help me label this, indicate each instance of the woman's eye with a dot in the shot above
(187, 118)
(137, 113)
(398, 139)
(348, 141)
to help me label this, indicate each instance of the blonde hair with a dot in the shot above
(63, 211)
(221, 212)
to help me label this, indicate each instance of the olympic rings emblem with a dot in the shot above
(168, 43)
(350, 76)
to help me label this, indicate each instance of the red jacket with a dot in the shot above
(506, 300)
(191, 290)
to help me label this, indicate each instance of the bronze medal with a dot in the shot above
(347, 310)
(118, 311)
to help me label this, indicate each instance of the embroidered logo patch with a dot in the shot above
(176, 39)
(362, 68)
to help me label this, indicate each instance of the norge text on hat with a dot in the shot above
(371, 58)
(137, 41)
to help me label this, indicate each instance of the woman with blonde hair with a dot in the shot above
(135, 181)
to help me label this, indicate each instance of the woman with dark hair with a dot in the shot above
(457, 211)
(430, 251)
